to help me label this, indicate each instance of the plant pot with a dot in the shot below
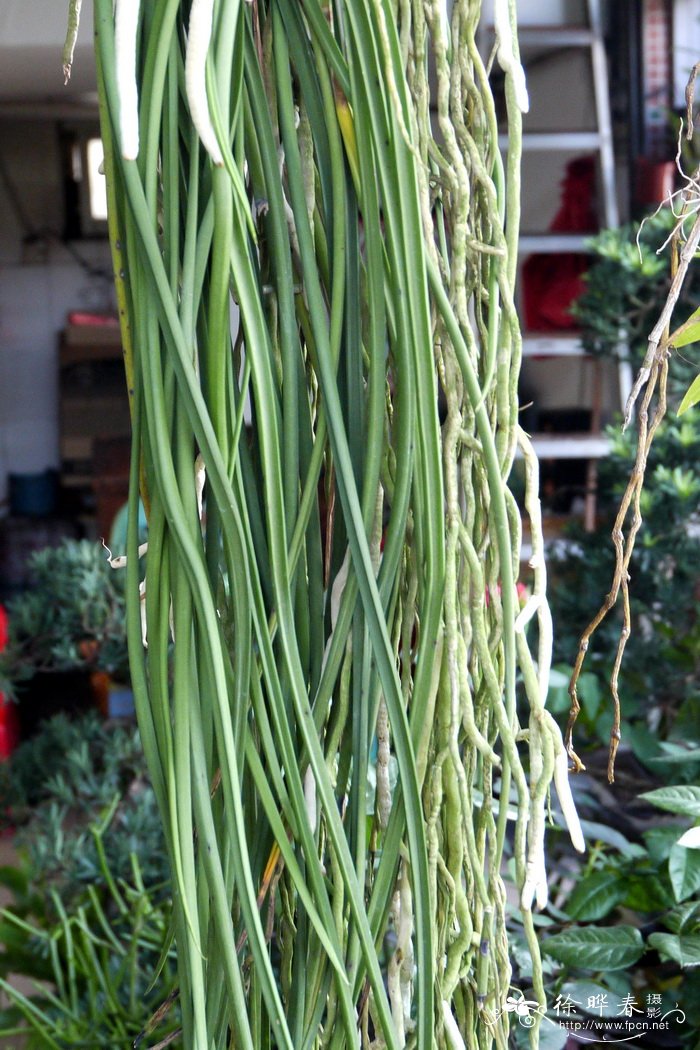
(655, 180)
(33, 495)
(114, 699)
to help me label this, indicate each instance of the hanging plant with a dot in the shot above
(314, 241)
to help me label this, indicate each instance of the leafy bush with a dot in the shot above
(91, 910)
(626, 289)
(93, 968)
(73, 616)
(628, 921)
(58, 783)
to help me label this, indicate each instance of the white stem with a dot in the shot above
(338, 587)
(537, 563)
(200, 477)
(527, 612)
(535, 888)
(310, 798)
(393, 977)
(142, 606)
(382, 768)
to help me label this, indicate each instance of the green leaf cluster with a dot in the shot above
(659, 675)
(72, 616)
(90, 912)
(634, 902)
(626, 288)
(55, 785)
(90, 971)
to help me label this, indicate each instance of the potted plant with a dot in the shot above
(66, 627)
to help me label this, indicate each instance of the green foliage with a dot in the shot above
(682, 798)
(71, 617)
(655, 882)
(92, 968)
(691, 396)
(626, 289)
(54, 787)
(603, 949)
(647, 891)
(91, 899)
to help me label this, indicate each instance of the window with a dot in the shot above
(97, 186)
(84, 187)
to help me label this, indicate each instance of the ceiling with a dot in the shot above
(31, 44)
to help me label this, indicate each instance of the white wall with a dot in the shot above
(38, 286)
(543, 12)
(31, 41)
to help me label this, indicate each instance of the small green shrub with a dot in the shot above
(91, 896)
(626, 289)
(72, 616)
(94, 969)
(57, 784)
(628, 920)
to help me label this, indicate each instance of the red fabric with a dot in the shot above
(577, 212)
(82, 319)
(9, 723)
(551, 283)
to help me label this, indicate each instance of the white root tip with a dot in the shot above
(125, 30)
(200, 477)
(120, 561)
(566, 799)
(198, 40)
(522, 97)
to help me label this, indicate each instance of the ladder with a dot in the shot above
(593, 444)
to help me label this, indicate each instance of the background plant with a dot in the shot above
(625, 291)
(636, 897)
(90, 905)
(58, 784)
(71, 617)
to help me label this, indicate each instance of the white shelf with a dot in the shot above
(555, 36)
(554, 243)
(551, 36)
(545, 345)
(570, 446)
(557, 140)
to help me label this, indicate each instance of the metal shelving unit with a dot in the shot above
(593, 444)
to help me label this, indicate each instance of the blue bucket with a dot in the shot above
(33, 495)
